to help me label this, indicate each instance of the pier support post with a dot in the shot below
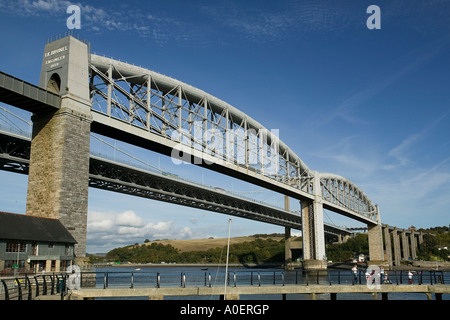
(375, 235)
(413, 241)
(397, 252)
(287, 249)
(388, 246)
(313, 234)
(59, 156)
(405, 246)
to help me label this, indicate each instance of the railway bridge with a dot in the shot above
(80, 92)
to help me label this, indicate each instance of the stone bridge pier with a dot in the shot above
(401, 244)
(59, 157)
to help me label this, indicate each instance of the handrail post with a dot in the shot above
(132, 280)
(6, 289)
(52, 283)
(158, 279)
(37, 285)
(183, 280)
(44, 291)
(63, 286)
(28, 283)
(19, 287)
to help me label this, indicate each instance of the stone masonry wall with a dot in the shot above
(59, 170)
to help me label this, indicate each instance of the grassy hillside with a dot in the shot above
(206, 244)
(252, 249)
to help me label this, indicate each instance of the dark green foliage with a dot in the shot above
(346, 251)
(257, 251)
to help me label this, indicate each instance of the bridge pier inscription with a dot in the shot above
(59, 156)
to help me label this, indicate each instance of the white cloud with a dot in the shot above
(129, 218)
(108, 230)
(402, 152)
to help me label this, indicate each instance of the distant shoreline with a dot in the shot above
(334, 266)
(199, 265)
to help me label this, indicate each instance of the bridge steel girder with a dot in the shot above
(114, 176)
(165, 115)
(109, 175)
(26, 96)
(159, 113)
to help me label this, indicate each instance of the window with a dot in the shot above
(34, 249)
(51, 245)
(54, 83)
(16, 246)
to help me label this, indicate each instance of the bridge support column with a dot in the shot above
(413, 240)
(375, 235)
(405, 246)
(397, 251)
(59, 157)
(388, 245)
(313, 234)
(287, 249)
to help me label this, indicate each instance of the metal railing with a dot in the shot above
(28, 288)
(257, 278)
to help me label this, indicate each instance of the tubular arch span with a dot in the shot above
(187, 123)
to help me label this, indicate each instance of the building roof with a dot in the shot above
(29, 228)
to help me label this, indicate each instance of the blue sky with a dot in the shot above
(370, 105)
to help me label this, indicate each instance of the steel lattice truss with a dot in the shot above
(193, 118)
(113, 176)
(199, 122)
(14, 153)
(341, 192)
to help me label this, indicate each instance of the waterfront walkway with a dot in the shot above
(235, 293)
(205, 284)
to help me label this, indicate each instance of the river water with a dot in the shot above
(173, 275)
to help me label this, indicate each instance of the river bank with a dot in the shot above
(415, 265)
